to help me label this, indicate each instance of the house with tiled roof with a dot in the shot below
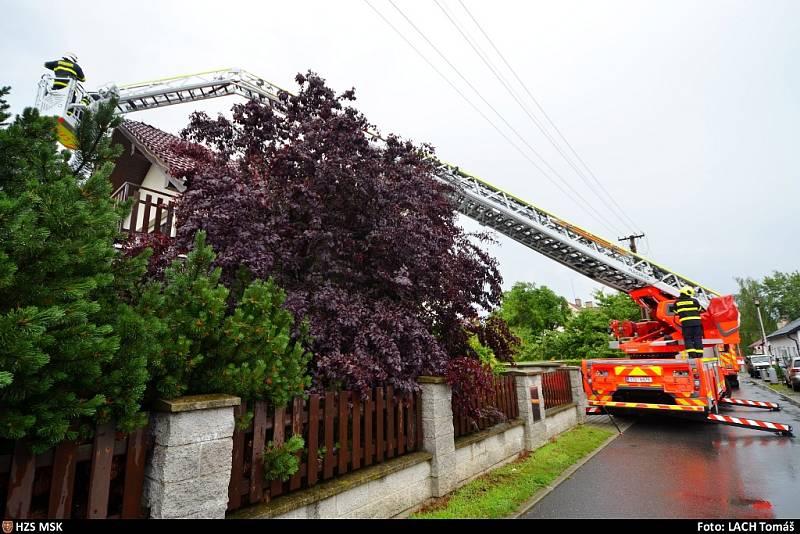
(142, 173)
(785, 341)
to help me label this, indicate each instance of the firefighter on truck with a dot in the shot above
(688, 311)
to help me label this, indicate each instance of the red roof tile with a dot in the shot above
(158, 143)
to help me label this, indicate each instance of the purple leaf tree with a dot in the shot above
(360, 235)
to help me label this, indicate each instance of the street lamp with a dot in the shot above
(764, 345)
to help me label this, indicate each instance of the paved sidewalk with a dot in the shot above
(604, 421)
(786, 393)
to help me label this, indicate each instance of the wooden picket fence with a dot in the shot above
(152, 212)
(342, 433)
(502, 404)
(556, 388)
(98, 479)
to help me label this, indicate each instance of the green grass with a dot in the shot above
(782, 388)
(500, 492)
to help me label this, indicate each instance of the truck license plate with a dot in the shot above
(638, 378)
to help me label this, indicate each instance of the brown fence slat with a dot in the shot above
(159, 208)
(148, 201)
(409, 419)
(555, 389)
(380, 445)
(278, 439)
(297, 429)
(237, 464)
(401, 438)
(502, 395)
(356, 455)
(100, 478)
(313, 440)
(509, 385)
(549, 391)
(509, 409)
(170, 217)
(20, 482)
(344, 416)
(506, 408)
(134, 474)
(368, 439)
(557, 394)
(62, 480)
(257, 456)
(479, 402)
(329, 415)
(546, 390)
(491, 400)
(134, 213)
(501, 401)
(494, 399)
(389, 422)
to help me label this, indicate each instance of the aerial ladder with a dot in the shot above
(656, 375)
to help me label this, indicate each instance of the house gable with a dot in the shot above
(131, 166)
(145, 147)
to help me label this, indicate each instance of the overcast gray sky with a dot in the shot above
(688, 113)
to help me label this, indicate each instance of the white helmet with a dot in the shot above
(71, 56)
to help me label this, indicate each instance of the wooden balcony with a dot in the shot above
(152, 212)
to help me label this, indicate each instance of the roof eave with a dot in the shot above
(152, 157)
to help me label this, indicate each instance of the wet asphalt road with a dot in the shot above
(671, 468)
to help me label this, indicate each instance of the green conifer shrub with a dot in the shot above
(61, 368)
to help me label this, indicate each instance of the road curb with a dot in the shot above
(784, 397)
(542, 493)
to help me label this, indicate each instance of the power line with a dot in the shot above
(588, 205)
(466, 99)
(487, 61)
(547, 117)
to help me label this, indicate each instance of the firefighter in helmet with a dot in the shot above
(65, 68)
(688, 311)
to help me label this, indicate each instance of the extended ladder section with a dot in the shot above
(195, 87)
(557, 239)
(523, 222)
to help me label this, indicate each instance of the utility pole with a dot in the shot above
(631, 239)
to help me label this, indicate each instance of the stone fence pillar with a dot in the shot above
(438, 435)
(530, 400)
(188, 473)
(578, 393)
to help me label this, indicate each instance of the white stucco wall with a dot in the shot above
(407, 489)
(386, 497)
(156, 179)
(561, 421)
(477, 458)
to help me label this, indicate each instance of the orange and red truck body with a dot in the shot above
(656, 375)
(694, 385)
